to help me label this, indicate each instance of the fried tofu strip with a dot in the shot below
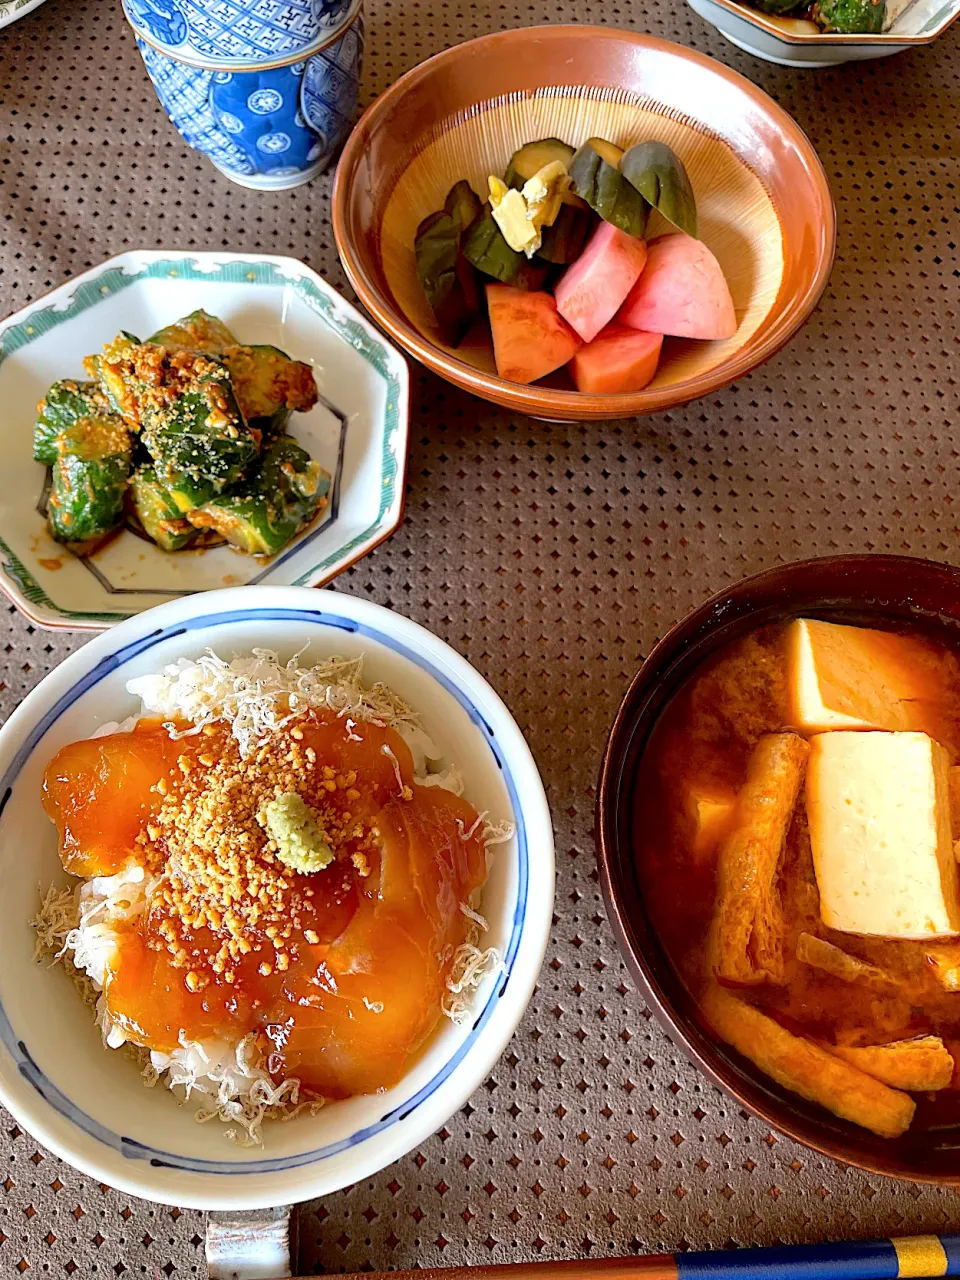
(945, 962)
(804, 1068)
(823, 955)
(747, 936)
(920, 1065)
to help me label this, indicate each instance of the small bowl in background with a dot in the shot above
(862, 589)
(764, 204)
(776, 40)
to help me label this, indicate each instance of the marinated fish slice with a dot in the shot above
(804, 1068)
(823, 955)
(920, 1065)
(747, 935)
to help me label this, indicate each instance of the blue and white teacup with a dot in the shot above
(232, 33)
(266, 127)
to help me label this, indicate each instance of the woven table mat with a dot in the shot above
(552, 557)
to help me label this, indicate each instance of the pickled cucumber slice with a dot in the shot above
(865, 17)
(89, 480)
(272, 503)
(597, 179)
(199, 331)
(463, 203)
(533, 157)
(485, 248)
(658, 174)
(161, 518)
(446, 277)
(64, 404)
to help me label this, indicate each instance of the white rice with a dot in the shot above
(257, 695)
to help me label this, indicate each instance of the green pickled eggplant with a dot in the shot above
(199, 331)
(463, 203)
(262, 513)
(485, 248)
(161, 518)
(446, 275)
(65, 404)
(865, 17)
(89, 480)
(563, 242)
(269, 386)
(658, 174)
(597, 179)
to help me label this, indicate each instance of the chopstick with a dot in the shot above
(900, 1256)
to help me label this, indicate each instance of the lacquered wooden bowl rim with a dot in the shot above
(869, 585)
(791, 309)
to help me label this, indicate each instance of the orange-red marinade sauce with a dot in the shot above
(345, 970)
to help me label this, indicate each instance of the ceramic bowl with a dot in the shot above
(764, 204)
(358, 430)
(775, 40)
(87, 1103)
(858, 589)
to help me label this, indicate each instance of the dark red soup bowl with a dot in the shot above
(869, 590)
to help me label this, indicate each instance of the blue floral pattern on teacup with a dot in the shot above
(161, 19)
(274, 124)
(184, 94)
(330, 86)
(248, 30)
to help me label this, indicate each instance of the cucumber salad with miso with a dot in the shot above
(556, 262)
(184, 438)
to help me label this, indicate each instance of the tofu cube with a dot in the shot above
(844, 677)
(878, 806)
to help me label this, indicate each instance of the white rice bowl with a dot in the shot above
(82, 924)
(88, 1103)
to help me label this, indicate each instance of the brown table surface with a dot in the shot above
(552, 557)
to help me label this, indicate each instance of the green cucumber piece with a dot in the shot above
(269, 386)
(64, 404)
(197, 436)
(597, 180)
(446, 276)
(111, 369)
(281, 494)
(562, 243)
(463, 203)
(864, 17)
(533, 157)
(658, 174)
(199, 331)
(89, 480)
(161, 518)
(485, 248)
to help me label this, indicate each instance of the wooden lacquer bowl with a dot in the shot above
(866, 590)
(764, 204)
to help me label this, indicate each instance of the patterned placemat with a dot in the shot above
(552, 557)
